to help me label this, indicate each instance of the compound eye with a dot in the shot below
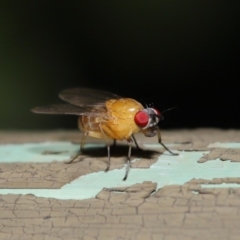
(141, 119)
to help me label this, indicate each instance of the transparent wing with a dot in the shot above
(69, 109)
(86, 96)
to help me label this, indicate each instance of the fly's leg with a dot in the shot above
(81, 149)
(130, 143)
(83, 141)
(114, 143)
(160, 142)
(108, 148)
(109, 159)
(135, 141)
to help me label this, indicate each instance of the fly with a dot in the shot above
(108, 116)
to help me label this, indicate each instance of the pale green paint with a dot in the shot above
(211, 145)
(223, 185)
(157, 145)
(224, 145)
(167, 170)
(33, 152)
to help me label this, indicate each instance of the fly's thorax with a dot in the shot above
(123, 108)
(121, 114)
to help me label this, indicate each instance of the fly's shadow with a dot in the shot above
(117, 153)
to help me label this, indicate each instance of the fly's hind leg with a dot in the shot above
(130, 143)
(81, 149)
(163, 145)
(83, 142)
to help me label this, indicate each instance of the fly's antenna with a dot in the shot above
(166, 110)
(161, 116)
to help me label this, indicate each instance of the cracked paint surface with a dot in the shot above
(167, 170)
(173, 212)
(194, 209)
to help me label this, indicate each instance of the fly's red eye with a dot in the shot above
(141, 119)
(156, 112)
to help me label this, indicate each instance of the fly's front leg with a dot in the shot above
(160, 142)
(135, 141)
(130, 143)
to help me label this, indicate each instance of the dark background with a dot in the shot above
(171, 53)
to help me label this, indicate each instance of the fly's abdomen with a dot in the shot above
(89, 123)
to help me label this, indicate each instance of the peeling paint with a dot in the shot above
(166, 171)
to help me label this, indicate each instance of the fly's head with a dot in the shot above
(148, 119)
